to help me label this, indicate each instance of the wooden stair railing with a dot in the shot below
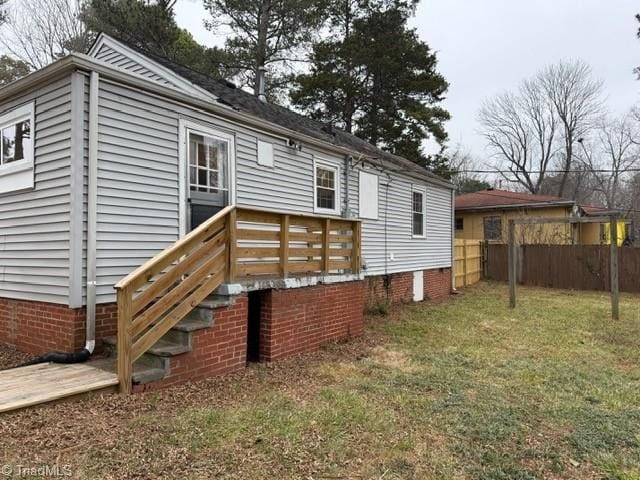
(235, 243)
(156, 296)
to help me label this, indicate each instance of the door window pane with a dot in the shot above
(208, 163)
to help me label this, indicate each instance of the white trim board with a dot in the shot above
(173, 78)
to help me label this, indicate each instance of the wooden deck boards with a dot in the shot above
(47, 382)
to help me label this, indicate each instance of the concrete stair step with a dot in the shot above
(145, 374)
(216, 301)
(155, 364)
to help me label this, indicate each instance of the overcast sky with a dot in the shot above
(488, 46)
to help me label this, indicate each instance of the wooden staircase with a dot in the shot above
(155, 363)
(163, 302)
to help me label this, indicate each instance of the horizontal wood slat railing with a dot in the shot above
(237, 243)
(271, 244)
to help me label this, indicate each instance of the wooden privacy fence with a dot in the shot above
(236, 243)
(468, 267)
(577, 267)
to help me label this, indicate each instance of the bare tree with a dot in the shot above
(521, 130)
(38, 32)
(537, 127)
(577, 99)
(611, 157)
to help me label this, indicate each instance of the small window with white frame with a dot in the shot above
(327, 189)
(16, 149)
(418, 212)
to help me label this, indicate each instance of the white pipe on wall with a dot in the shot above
(92, 201)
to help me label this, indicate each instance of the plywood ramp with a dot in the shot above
(47, 382)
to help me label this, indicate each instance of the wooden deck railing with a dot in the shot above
(235, 244)
(279, 245)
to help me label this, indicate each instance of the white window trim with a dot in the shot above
(329, 166)
(423, 191)
(18, 176)
(185, 127)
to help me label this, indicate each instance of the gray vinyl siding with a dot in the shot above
(138, 189)
(109, 55)
(137, 211)
(35, 224)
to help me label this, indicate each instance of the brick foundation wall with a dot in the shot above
(40, 327)
(216, 350)
(398, 287)
(392, 288)
(437, 283)
(302, 319)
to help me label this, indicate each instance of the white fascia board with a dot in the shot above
(173, 78)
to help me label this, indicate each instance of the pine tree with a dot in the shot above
(377, 80)
(152, 27)
(11, 69)
(266, 34)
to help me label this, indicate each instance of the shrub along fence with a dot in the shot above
(577, 267)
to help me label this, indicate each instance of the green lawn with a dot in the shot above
(465, 389)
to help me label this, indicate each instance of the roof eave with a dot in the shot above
(567, 203)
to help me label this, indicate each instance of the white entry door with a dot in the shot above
(418, 286)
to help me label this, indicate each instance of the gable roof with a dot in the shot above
(228, 94)
(503, 199)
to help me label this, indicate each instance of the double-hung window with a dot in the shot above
(16, 149)
(327, 189)
(418, 212)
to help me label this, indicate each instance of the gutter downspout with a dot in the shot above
(92, 202)
(347, 172)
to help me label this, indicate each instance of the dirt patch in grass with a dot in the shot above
(465, 389)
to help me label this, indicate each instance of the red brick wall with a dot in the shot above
(398, 287)
(392, 288)
(301, 319)
(216, 350)
(40, 327)
(437, 283)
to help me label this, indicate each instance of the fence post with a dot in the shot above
(512, 264)
(284, 245)
(484, 249)
(124, 343)
(356, 233)
(613, 267)
(465, 268)
(232, 225)
(326, 231)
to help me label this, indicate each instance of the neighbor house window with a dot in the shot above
(327, 198)
(418, 209)
(16, 149)
(492, 228)
(459, 223)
